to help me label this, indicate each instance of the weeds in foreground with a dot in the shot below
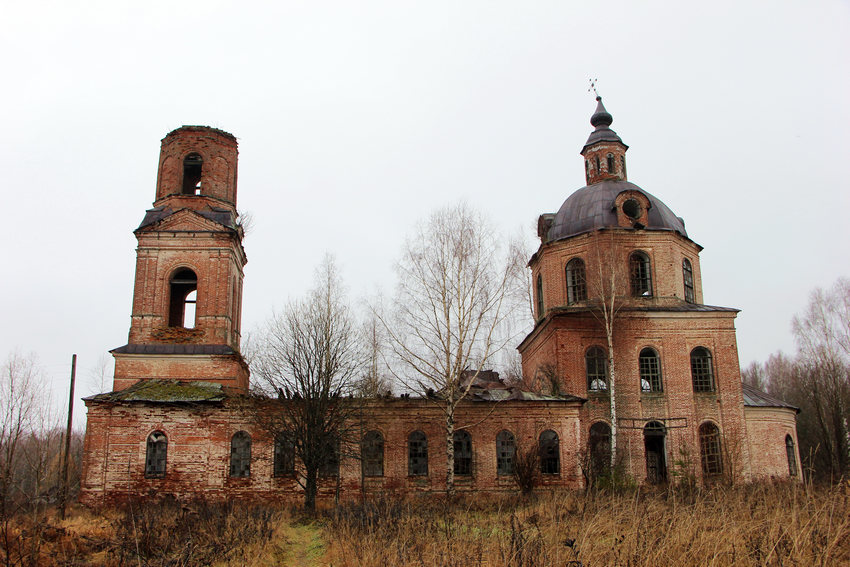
(768, 525)
(753, 525)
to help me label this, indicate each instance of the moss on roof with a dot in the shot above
(165, 391)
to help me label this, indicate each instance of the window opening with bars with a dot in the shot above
(650, 371)
(709, 448)
(576, 281)
(417, 454)
(701, 371)
(505, 453)
(155, 457)
(463, 453)
(596, 363)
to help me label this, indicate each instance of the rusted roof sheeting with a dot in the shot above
(753, 397)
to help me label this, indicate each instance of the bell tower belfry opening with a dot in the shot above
(187, 300)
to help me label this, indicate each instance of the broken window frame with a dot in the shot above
(688, 280)
(372, 454)
(649, 366)
(576, 277)
(540, 305)
(702, 374)
(710, 452)
(549, 452)
(596, 366)
(156, 455)
(462, 443)
(240, 455)
(612, 168)
(505, 453)
(640, 274)
(417, 454)
(329, 466)
(284, 456)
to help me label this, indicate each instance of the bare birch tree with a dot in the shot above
(816, 380)
(309, 358)
(606, 285)
(822, 333)
(455, 291)
(19, 386)
(375, 379)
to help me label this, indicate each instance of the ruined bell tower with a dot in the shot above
(187, 299)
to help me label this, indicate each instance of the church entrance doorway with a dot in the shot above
(654, 435)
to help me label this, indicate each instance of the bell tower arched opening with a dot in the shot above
(183, 293)
(193, 165)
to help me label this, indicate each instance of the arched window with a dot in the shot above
(463, 453)
(598, 166)
(611, 166)
(688, 277)
(417, 454)
(372, 454)
(709, 449)
(599, 449)
(701, 371)
(597, 369)
(183, 299)
(549, 452)
(155, 456)
(505, 452)
(650, 371)
(623, 163)
(539, 296)
(791, 453)
(284, 456)
(576, 281)
(330, 458)
(240, 455)
(193, 165)
(640, 274)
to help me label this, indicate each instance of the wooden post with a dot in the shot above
(63, 495)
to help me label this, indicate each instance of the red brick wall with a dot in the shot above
(564, 334)
(665, 249)
(185, 239)
(766, 431)
(199, 449)
(219, 152)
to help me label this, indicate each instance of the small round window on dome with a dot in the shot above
(631, 208)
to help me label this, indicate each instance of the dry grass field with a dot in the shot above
(751, 525)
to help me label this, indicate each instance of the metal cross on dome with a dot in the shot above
(593, 83)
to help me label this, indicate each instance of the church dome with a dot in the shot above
(594, 207)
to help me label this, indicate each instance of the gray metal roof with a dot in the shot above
(165, 391)
(592, 208)
(220, 216)
(753, 397)
(173, 349)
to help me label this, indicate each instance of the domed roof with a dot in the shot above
(592, 207)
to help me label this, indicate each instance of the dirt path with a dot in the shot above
(305, 546)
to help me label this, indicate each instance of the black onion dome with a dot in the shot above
(592, 208)
(601, 120)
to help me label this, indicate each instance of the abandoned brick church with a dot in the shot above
(175, 422)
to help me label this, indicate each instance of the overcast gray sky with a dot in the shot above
(355, 119)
